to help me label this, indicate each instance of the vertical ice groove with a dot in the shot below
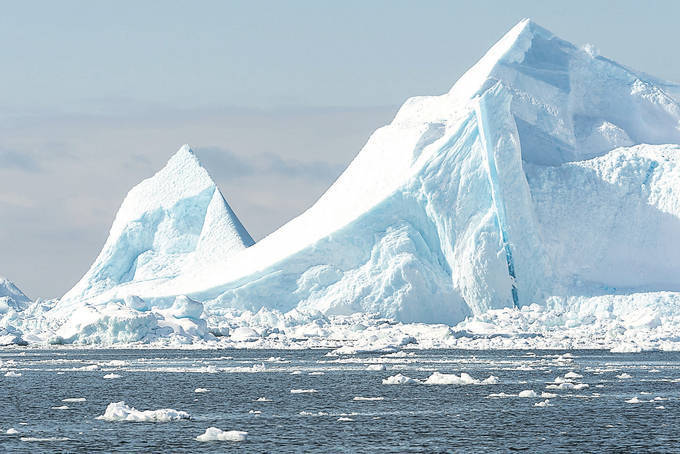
(499, 208)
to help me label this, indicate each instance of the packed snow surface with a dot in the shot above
(536, 204)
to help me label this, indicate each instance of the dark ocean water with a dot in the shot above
(410, 418)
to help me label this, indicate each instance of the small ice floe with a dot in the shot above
(375, 367)
(262, 399)
(654, 371)
(660, 407)
(12, 431)
(543, 403)
(658, 399)
(276, 359)
(215, 434)
(43, 439)
(345, 419)
(74, 399)
(626, 348)
(118, 411)
(569, 385)
(296, 372)
(623, 376)
(634, 400)
(115, 363)
(316, 373)
(254, 412)
(572, 375)
(501, 395)
(61, 407)
(399, 379)
(11, 373)
(309, 413)
(546, 395)
(438, 378)
(368, 398)
(303, 391)
(527, 393)
(201, 390)
(111, 376)
(91, 367)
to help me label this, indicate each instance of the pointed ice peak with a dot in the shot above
(185, 155)
(11, 296)
(171, 221)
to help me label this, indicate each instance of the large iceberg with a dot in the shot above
(548, 175)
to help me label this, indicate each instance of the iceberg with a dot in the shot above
(540, 194)
(11, 297)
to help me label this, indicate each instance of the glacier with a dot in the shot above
(535, 204)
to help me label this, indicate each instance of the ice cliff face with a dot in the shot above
(169, 223)
(545, 172)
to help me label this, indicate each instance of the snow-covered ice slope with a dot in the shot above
(172, 222)
(546, 172)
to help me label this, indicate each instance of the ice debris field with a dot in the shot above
(534, 205)
(319, 401)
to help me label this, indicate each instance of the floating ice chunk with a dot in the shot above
(215, 434)
(303, 391)
(368, 398)
(296, 372)
(74, 399)
(375, 367)
(490, 380)
(572, 375)
(626, 348)
(254, 412)
(569, 385)
(111, 376)
(438, 378)
(11, 373)
(546, 395)
(316, 373)
(200, 390)
(61, 407)
(89, 368)
(543, 403)
(399, 379)
(12, 431)
(345, 419)
(262, 399)
(527, 393)
(502, 395)
(660, 407)
(118, 411)
(115, 363)
(307, 413)
(634, 400)
(623, 376)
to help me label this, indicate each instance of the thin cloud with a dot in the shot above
(10, 159)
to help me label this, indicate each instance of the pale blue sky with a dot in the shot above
(97, 95)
